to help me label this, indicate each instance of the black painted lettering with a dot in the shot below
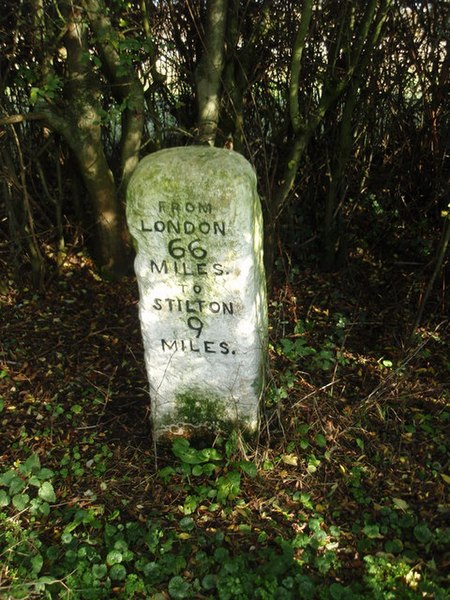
(144, 228)
(201, 269)
(157, 304)
(225, 348)
(175, 207)
(208, 347)
(204, 227)
(181, 268)
(205, 208)
(219, 227)
(162, 207)
(172, 346)
(188, 227)
(189, 207)
(173, 227)
(227, 308)
(189, 308)
(214, 307)
(159, 226)
(162, 268)
(217, 269)
(193, 347)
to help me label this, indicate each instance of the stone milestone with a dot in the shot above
(195, 218)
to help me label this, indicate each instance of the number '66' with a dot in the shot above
(178, 251)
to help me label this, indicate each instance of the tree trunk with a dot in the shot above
(127, 89)
(111, 252)
(334, 87)
(81, 128)
(332, 242)
(209, 71)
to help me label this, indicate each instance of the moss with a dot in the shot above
(196, 416)
(198, 409)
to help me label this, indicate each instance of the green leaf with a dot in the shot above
(400, 504)
(20, 501)
(338, 591)
(36, 563)
(44, 508)
(16, 486)
(118, 572)
(46, 492)
(114, 557)
(166, 473)
(190, 504)
(45, 473)
(422, 533)
(121, 545)
(99, 571)
(4, 499)
(34, 95)
(182, 450)
(7, 477)
(179, 588)
(311, 468)
(394, 546)
(66, 537)
(210, 454)
(372, 531)
(320, 440)
(46, 579)
(209, 581)
(187, 523)
(228, 486)
(304, 498)
(248, 468)
(207, 469)
(32, 464)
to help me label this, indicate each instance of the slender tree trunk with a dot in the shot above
(439, 261)
(331, 242)
(81, 129)
(127, 89)
(334, 87)
(36, 259)
(111, 251)
(209, 70)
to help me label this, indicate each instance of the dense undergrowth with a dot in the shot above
(342, 496)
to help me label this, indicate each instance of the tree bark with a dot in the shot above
(333, 240)
(80, 127)
(209, 71)
(127, 89)
(333, 88)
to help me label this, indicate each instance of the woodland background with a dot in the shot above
(343, 110)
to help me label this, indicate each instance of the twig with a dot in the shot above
(321, 389)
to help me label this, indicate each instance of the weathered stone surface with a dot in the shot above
(195, 217)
